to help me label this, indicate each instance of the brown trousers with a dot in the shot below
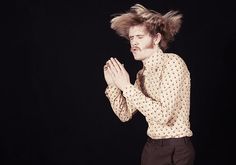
(173, 151)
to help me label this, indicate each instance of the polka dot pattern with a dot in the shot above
(161, 93)
(122, 108)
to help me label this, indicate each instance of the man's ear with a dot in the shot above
(157, 38)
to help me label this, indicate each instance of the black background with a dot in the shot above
(54, 110)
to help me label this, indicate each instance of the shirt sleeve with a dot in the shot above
(168, 94)
(123, 109)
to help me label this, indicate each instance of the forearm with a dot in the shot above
(154, 109)
(118, 103)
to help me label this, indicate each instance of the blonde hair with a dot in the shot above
(167, 25)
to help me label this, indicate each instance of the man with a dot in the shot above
(162, 89)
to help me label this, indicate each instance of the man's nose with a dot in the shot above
(134, 43)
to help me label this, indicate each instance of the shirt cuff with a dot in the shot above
(112, 90)
(129, 91)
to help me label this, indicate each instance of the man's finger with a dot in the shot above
(110, 72)
(105, 67)
(112, 67)
(116, 65)
(120, 65)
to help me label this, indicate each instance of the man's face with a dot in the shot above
(141, 42)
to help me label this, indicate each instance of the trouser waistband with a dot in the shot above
(169, 141)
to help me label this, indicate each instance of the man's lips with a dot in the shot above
(134, 49)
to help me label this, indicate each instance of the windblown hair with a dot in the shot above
(167, 25)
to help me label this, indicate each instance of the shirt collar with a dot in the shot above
(152, 63)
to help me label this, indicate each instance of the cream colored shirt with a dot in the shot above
(161, 93)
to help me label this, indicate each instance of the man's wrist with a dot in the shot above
(111, 84)
(124, 87)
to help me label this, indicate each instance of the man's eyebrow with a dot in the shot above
(136, 35)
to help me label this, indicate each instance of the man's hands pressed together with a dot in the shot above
(115, 74)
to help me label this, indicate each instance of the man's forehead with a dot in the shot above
(137, 30)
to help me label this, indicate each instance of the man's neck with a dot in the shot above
(152, 59)
(153, 53)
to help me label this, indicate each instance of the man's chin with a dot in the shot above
(137, 58)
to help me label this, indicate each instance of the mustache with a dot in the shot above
(134, 48)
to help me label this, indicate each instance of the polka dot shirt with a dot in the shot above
(161, 93)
